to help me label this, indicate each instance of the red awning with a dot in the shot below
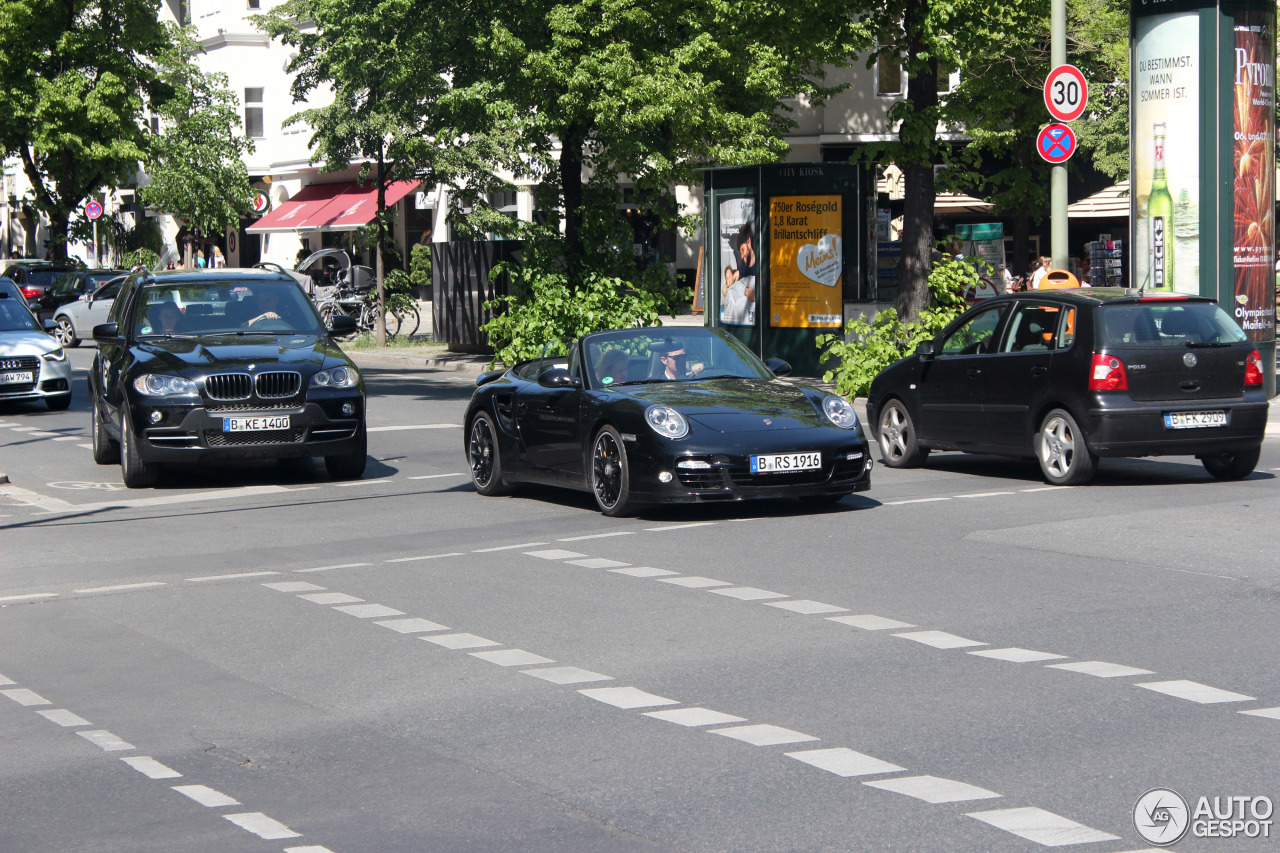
(330, 207)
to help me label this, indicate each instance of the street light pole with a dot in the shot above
(1059, 247)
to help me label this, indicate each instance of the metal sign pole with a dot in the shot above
(1058, 240)
(97, 254)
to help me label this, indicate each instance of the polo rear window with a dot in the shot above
(1145, 325)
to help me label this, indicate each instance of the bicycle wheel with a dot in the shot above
(392, 319)
(410, 319)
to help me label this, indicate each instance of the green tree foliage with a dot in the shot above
(1098, 42)
(196, 164)
(578, 95)
(74, 82)
(866, 348)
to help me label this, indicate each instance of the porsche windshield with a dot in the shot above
(225, 308)
(632, 356)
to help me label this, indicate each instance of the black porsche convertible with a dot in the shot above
(652, 416)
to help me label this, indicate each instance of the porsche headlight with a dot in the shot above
(840, 412)
(56, 355)
(666, 421)
(336, 377)
(157, 385)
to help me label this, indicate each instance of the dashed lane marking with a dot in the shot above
(643, 572)
(626, 697)
(984, 494)
(6, 680)
(369, 611)
(685, 526)
(85, 446)
(1271, 713)
(70, 438)
(597, 563)
(511, 657)
(149, 767)
(763, 734)
(933, 789)
(262, 826)
(26, 697)
(122, 586)
(206, 796)
(554, 554)
(105, 740)
(597, 536)
(361, 483)
(940, 639)
(1195, 692)
(293, 586)
(845, 762)
(231, 577)
(1100, 669)
(566, 675)
(459, 641)
(694, 582)
(331, 598)
(310, 848)
(436, 476)
(1016, 655)
(746, 593)
(507, 547)
(24, 429)
(412, 626)
(424, 557)
(805, 606)
(50, 504)
(412, 426)
(331, 568)
(29, 596)
(1042, 827)
(694, 717)
(915, 501)
(1045, 489)
(64, 718)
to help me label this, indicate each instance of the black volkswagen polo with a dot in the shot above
(1068, 376)
(222, 364)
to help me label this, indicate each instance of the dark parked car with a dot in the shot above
(222, 364)
(70, 286)
(34, 278)
(647, 416)
(1069, 376)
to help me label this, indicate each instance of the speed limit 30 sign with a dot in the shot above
(1066, 93)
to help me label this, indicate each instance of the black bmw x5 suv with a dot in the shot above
(222, 364)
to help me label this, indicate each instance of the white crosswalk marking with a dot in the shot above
(931, 789)
(694, 717)
(844, 762)
(459, 641)
(1042, 827)
(206, 796)
(940, 639)
(763, 735)
(151, 768)
(626, 697)
(1100, 669)
(262, 826)
(1195, 692)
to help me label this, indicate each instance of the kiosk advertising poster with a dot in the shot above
(806, 261)
(1165, 104)
(1253, 158)
(738, 256)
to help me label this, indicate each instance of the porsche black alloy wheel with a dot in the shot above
(136, 472)
(105, 450)
(897, 434)
(610, 476)
(1232, 466)
(482, 453)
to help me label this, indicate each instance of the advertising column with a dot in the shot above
(1165, 104)
(1254, 172)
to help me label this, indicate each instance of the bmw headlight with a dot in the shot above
(56, 355)
(840, 412)
(157, 385)
(336, 377)
(666, 421)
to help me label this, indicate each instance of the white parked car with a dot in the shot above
(33, 366)
(76, 319)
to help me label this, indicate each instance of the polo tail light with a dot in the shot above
(1253, 369)
(1107, 373)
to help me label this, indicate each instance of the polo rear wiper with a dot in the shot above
(1206, 344)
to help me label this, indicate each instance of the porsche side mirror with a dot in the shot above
(927, 350)
(778, 367)
(106, 333)
(558, 377)
(342, 325)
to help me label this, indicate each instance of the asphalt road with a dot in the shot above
(255, 658)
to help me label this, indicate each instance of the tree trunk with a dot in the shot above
(381, 334)
(917, 133)
(571, 188)
(59, 229)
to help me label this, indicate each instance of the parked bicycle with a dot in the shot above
(337, 286)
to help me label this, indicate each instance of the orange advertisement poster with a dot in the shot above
(806, 262)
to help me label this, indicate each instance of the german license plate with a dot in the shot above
(1194, 420)
(778, 463)
(254, 424)
(14, 377)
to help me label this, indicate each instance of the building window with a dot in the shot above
(253, 126)
(889, 76)
(253, 4)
